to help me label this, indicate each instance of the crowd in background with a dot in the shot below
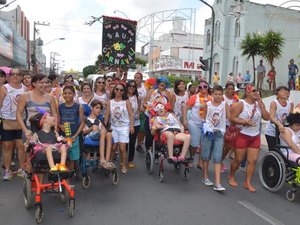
(127, 113)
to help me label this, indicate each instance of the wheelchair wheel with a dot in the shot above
(28, 194)
(115, 177)
(290, 195)
(86, 181)
(161, 176)
(39, 215)
(186, 173)
(63, 195)
(272, 171)
(149, 161)
(71, 208)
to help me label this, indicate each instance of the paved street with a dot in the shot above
(140, 199)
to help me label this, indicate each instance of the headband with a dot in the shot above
(43, 118)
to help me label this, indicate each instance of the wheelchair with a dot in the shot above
(275, 169)
(56, 183)
(91, 148)
(159, 151)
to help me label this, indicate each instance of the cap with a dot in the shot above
(236, 89)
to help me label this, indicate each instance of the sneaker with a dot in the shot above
(62, 167)
(130, 165)
(156, 160)
(21, 173)
(219, 188)
(223, 168)
(54, 169)
(207, 182)
(140, 149)
(7, 175)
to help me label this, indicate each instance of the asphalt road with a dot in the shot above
(139, 199)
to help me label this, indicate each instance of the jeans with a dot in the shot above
(213, 147)
(292, 78)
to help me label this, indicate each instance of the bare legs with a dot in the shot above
(252, 155)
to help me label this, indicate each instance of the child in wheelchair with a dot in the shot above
(97, 136)
(291, 137)
(45, 139)
(167, 124)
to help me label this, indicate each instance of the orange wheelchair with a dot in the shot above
(56, 183)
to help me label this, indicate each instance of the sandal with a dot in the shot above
(181, 158)
(105, 164)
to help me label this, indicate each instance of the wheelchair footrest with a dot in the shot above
(53, 176)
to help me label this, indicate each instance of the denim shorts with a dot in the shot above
(196, 134)
(213, 147)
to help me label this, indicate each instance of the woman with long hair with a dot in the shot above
(247, 114)
(133, 96)
(119, 112)
(180, 98)
(196, 104)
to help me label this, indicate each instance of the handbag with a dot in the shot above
(231, 134)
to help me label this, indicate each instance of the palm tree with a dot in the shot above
(273, 43)
(251, 46)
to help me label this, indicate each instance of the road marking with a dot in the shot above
(260, 213)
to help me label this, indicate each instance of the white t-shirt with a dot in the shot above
(280, 114)
(216, 116)
(255, 115)
(10, 101)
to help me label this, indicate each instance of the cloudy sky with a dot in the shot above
(83, 43)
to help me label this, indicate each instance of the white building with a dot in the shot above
(235, 18)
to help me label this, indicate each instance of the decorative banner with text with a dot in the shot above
(118, 41)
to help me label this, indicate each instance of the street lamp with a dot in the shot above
(56, 39)
(212, 40)
(124, 14)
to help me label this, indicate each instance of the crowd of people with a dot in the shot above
(124, 115)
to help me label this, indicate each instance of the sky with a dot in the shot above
(82, 43)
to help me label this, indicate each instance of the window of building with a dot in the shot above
(217, 30)
(237, 28)
(208, 38)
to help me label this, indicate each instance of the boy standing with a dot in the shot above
(214, 129)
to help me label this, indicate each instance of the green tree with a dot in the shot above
(91, 69)
(251, 46)
(273, 43)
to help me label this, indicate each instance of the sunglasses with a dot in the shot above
(203, 87)
(254, 90)
(117, 89)
(159, 107)
(100, 82)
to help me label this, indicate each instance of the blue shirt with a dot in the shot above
(292, 69)
(70, 115)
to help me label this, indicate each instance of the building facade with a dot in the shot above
(233, 20)
(14, 39)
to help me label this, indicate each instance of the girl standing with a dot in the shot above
(121, 118)
(71, 117)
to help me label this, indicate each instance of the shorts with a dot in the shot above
(213, 147)
(11, 135)
(245, 141)
(121, 135)
(142, 121)
(74, 151)
(196, 134)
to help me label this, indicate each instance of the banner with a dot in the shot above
(118, 41)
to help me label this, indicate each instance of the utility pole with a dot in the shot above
(33, 55)
(212, 40)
